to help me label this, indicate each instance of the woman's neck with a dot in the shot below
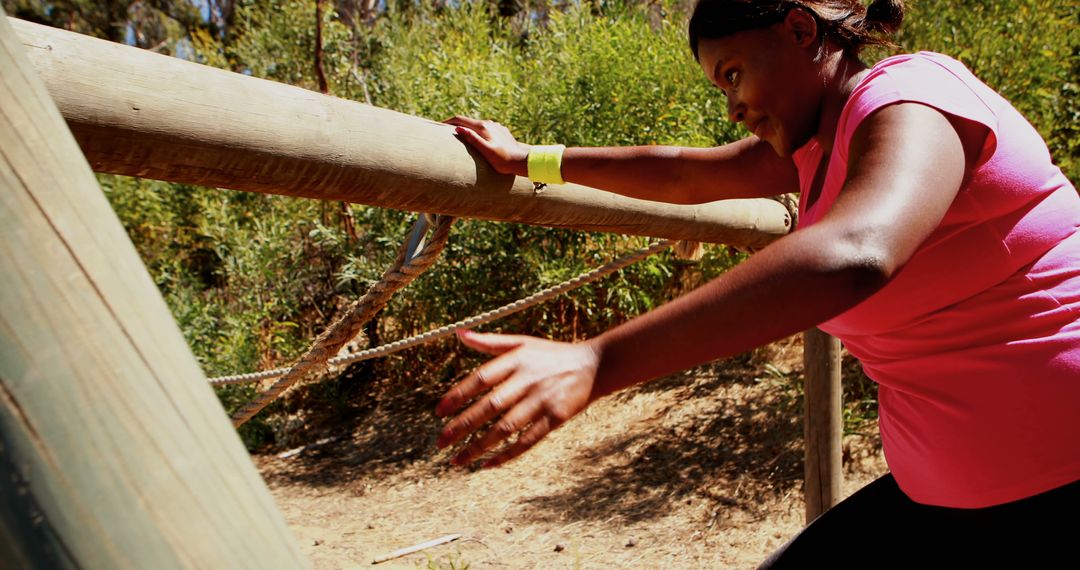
(840, 74)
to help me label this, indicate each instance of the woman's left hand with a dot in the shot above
(495, 143)
(532, 387)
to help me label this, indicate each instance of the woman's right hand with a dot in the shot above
(495, 143)
(532, 387)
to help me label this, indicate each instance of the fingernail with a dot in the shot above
(459, 130)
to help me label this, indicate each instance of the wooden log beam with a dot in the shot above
(822, 425)
(143, 114)
(114, 451)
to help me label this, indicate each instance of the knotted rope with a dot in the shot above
(404, 269)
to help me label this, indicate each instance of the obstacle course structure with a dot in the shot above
(114, 450)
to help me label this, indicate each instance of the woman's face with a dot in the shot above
(771, 83)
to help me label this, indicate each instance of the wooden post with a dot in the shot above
(143, 114)
(822, 421)
(114, 452)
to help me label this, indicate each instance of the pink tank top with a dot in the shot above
(975, 343)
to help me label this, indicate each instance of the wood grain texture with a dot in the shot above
(143, 114)
(114, 452)
(822, 425)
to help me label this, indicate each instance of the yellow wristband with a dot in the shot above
(545, 164)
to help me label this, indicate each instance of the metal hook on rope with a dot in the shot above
(418, 235)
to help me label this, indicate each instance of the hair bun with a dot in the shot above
(885, 16)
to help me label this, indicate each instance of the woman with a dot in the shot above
(936, 239)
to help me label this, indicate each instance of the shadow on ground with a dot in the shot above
(704, 442)
(375, 429)
(751, 446)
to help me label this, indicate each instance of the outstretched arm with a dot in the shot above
(907, 163)
(747, 168)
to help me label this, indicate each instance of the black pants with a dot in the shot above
(880, 527)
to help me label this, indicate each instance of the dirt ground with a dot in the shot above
(702, 470)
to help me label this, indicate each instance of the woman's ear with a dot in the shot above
(802, 27)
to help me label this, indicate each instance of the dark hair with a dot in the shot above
(846, 22)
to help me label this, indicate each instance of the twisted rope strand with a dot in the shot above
(485, 317)
(400, 274)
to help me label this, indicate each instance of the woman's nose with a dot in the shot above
(736, 112)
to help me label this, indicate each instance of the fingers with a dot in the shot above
(537, 431)
(480, 142)
(489, 343)
(477, 382)
(484, 377)
(472, 137)
(503, 398)
(477, 125)
(532, 387)
(473, 131)
(517, 419)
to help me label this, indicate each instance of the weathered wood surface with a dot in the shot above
(822, 425)
(139, 113)
(114, 451)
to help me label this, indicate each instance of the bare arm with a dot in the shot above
(907, 163)
(747, 168)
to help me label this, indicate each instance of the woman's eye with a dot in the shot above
(732, 77)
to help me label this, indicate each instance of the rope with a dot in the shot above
(405, 268)
(486, 317)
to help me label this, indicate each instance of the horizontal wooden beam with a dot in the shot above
(143, 114)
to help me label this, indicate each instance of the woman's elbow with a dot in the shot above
(866, 261)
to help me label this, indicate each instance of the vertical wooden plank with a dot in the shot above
(114, 452)
(822, 421)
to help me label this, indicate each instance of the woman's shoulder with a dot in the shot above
(935, 77)
(922, 73)
(929, 78)
(917, 60)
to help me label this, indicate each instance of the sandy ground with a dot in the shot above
(703, 470)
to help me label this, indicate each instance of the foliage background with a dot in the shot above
(252, 278)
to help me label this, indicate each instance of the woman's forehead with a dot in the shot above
(714, 52)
